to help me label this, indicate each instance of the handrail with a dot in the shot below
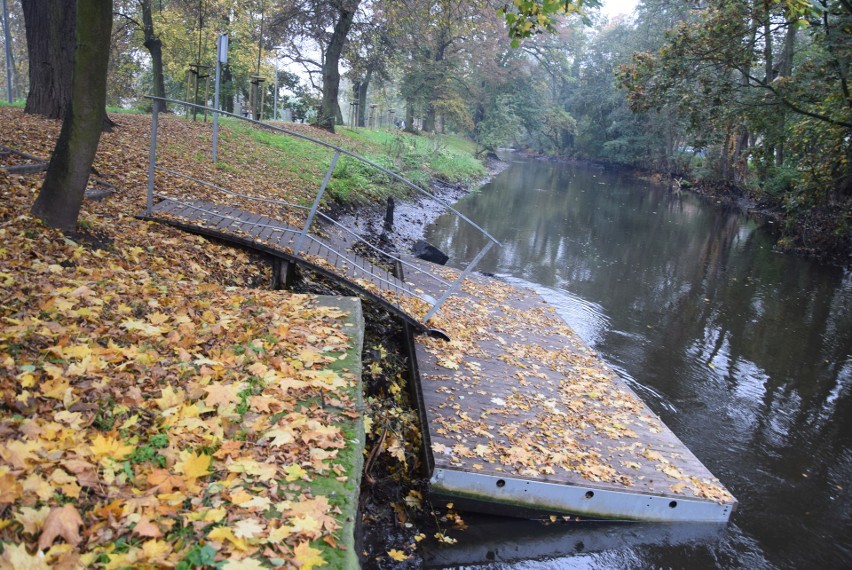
(314, 209)
(336, 149)
(329, 219)
(231, 192)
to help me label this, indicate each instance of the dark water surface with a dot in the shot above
(746, 354)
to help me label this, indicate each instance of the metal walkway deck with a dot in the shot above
(523, 418)
(275, 238)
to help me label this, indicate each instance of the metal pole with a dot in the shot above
(8, 37)
(221, 57)
(457, 282)
(315, 207)
(275, 93)
(216, 112)
(152, 158)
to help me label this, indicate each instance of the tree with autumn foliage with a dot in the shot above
(762, 90)
(525, 18)
(138, 16)
(324, 26)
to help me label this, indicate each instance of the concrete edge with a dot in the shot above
(354, 450)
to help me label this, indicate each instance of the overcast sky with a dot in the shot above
(614, 7)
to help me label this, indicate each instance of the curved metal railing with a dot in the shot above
(313, 211)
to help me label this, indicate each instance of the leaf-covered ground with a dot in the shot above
(157, 409)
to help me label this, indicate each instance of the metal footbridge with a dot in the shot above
(292, 232)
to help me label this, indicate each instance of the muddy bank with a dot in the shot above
(412, 217)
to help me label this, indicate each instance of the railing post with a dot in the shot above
(458, 281)
(315, 207)
(152, 157)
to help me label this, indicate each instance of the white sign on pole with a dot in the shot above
(223, 48)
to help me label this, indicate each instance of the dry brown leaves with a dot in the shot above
(151, 402)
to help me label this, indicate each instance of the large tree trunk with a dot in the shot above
(61, 195)
(155, 47)
(330, 69)
(50, 46)
(361, 92)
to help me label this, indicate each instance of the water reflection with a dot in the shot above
(745, 353)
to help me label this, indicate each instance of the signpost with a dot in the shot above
(221, 58)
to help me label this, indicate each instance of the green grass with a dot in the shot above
(419, 158)
(424, 156)
(126, 110)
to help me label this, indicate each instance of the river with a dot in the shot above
(745, 353)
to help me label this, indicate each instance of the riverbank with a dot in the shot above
(822, 233)
(412, 215)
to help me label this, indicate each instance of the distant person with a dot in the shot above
(402, 124)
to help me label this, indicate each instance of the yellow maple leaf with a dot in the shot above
(130, 422)
(244, 564)
(156, 550)
(170, 398)
(223, 533)
(141, 326)
(79, 351)
(307, 557)
(215, 515)
(262, 471)
(398, 555)
(307, 525)
(193, 465)
(277, 535)
(16, 556)
(55, 388)
(32, 519)
(280, 436)
(157, 318)
(294, 472)
(110, 448)
(248, 528)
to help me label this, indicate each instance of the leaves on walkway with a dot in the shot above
(510, 398)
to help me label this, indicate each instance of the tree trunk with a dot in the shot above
(155, 47)
(429, 119)
(361, 92)
(227, 89)
(785, 69)
(10, 58)
(50, 46)
(409, 116)
(331, 70)
(61, 195)
(726, 158)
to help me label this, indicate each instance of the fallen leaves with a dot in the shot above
(138, 379)
(62, 522)
(517, 392)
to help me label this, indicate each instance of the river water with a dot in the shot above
(745, 353)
